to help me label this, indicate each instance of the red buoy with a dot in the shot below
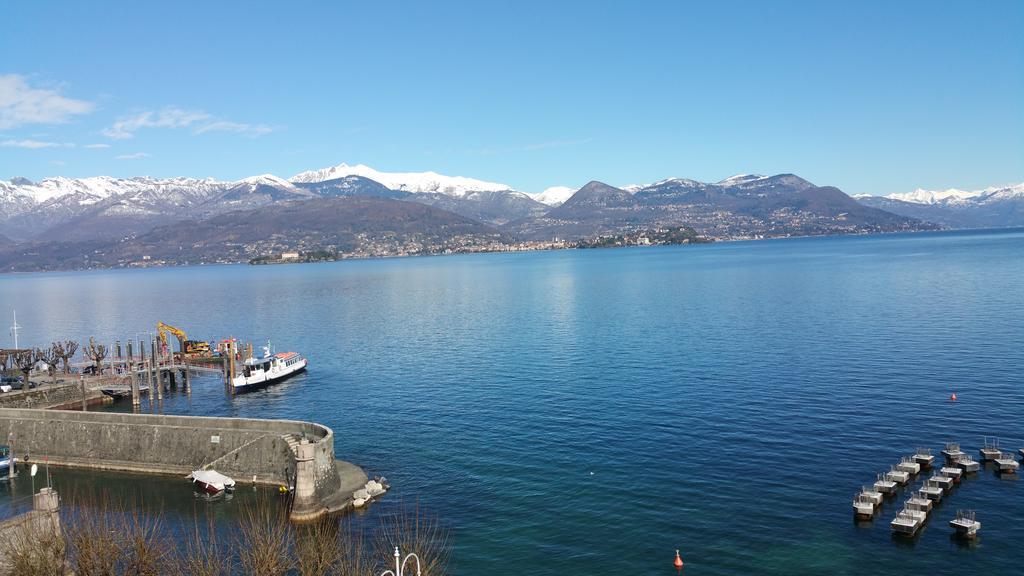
(953, 397)
(678, 563)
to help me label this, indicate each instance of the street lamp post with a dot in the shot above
(400, 565)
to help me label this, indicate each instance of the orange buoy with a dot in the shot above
(678, 563)
(953, 397)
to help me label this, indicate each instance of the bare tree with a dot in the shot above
(68, 348)
(96, 353)
(50, 357)
(24, 360)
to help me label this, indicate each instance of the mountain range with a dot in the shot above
(994, 207)
(63, 218)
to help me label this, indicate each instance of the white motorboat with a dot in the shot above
(271, 368)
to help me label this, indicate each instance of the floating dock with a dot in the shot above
(924, 457)
(898, 476)
(919, 501)
(906, 523)
(944, 482)
(932, 490)
(968, 464)
(863, 506)
(965, 524)
(951, 472)
(908, 465)
(875, 496)
(990, 451)
(1006, 464)
(884, 485)
(952, 452)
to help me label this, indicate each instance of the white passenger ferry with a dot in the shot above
(260, 372)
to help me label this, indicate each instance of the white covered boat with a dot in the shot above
(271, 368)
(211, 481)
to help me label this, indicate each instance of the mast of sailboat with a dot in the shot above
(14, 328)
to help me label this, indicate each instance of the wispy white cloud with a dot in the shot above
(96, 146)
(21, 103)
(253, 130)
(133, 156)
(167, 118)
(35, 144)
(172, 117)
(58, 162)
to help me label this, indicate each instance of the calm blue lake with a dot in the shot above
(589, 412)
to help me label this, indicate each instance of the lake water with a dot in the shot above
(590, 412)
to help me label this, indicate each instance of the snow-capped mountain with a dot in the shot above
(740, 179)
(404, 181)
(954, 196)
(995, 206)
(554, 196)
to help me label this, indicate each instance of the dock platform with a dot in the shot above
(965, 524)
(863, 506)
(951, 472)
(919, 501)
(908, 465)
(944, 482)
(1006, 463)
(884, 485)
(932, 490)
(924, 457)
(898, 476)
(968, 464)
(952, 452)
(906, 523)
(990, 451)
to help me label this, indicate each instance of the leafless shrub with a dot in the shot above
(36, 547)
(144, 544)
(92, 534)
(203, 554)
(414, 532)
(264, 541)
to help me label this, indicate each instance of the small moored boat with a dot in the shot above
(211, 481)
(6, 462)
(271, 368)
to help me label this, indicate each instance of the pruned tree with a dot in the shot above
(67, 350)
(50, 357)
(96, 353)
(24, 360)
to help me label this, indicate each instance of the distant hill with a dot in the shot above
(354, 225)
(102, 214)
(741, 206)
(496, 207)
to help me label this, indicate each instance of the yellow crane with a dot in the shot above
(187, 347)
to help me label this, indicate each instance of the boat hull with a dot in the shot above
(252, 386)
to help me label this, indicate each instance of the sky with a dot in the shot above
(872, 97)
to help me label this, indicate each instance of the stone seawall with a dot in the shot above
(65, 394)
(264, 451)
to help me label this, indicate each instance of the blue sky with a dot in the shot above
(871, 97)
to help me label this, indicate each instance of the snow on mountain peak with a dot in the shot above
(738, 179)
(266, 180)
(554, 195)
(404, 181)
(952, 196)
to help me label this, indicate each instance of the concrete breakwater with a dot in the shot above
(282, 452)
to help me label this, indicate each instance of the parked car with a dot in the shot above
(15, 382)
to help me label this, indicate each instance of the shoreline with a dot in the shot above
(713, 241)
